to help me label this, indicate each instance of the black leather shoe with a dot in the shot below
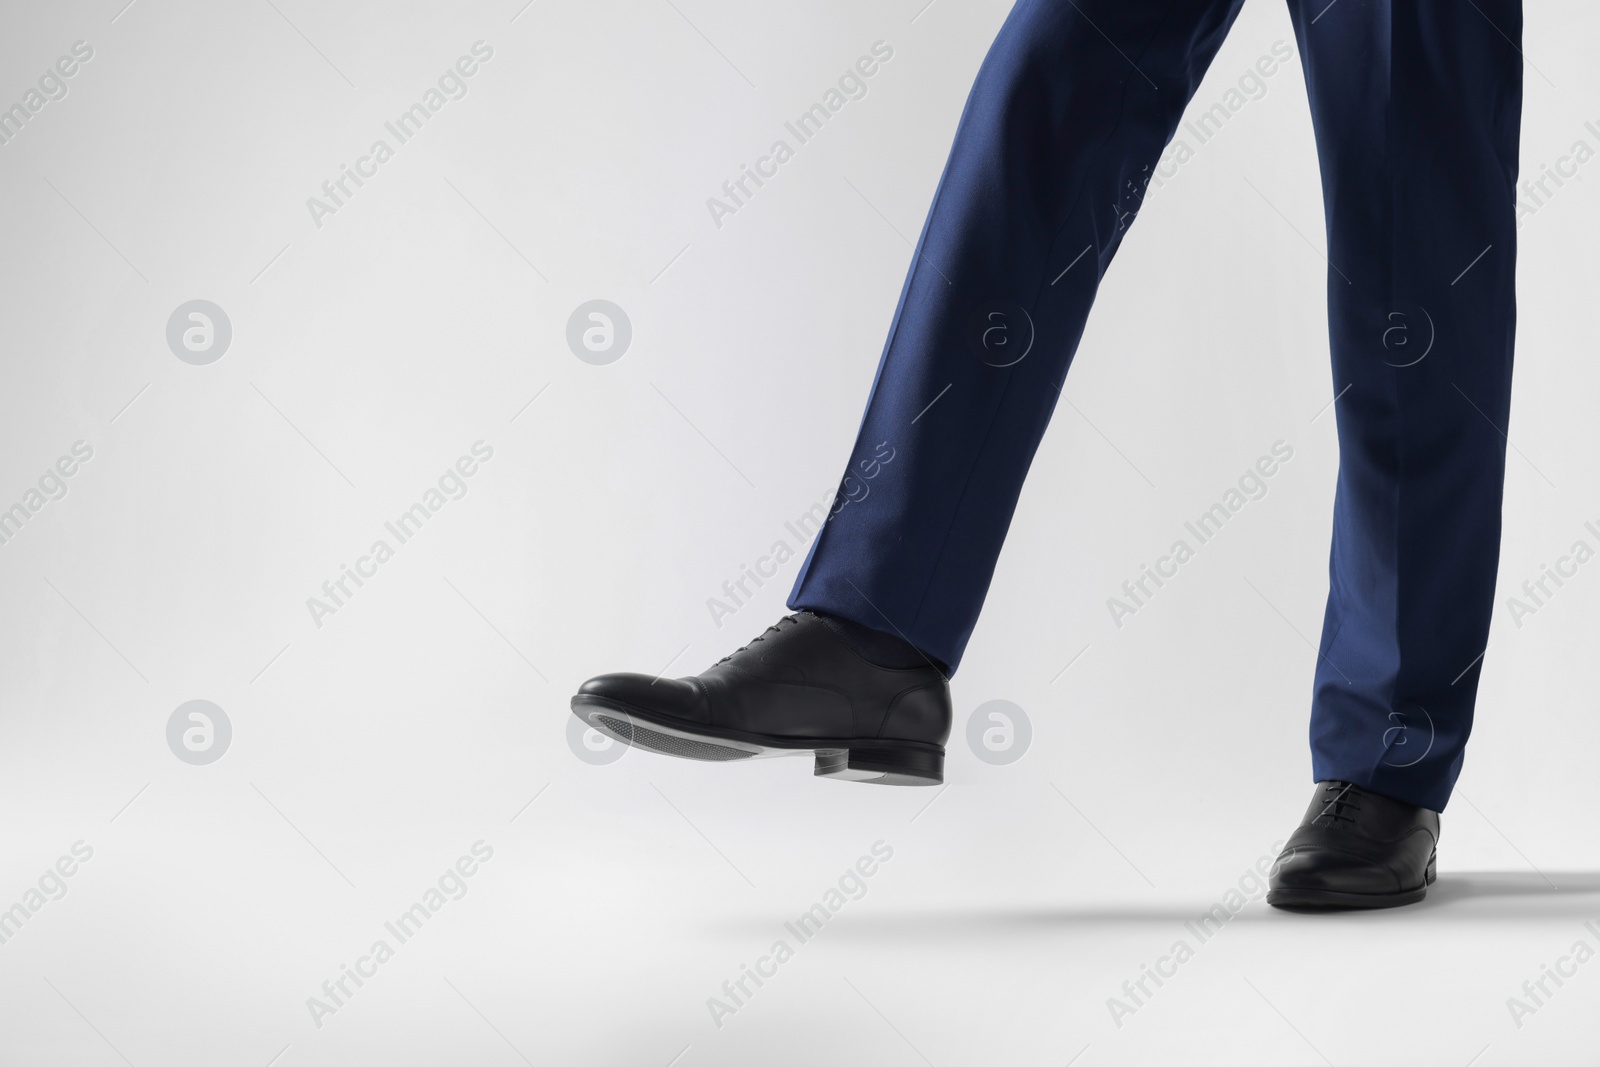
(797, 688)
(1356, 849)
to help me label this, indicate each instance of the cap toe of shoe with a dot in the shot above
(1319, 867)
(671, 697)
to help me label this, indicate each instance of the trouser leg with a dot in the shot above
(1068, 116)
(1416, 105)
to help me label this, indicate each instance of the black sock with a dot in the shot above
(876, 647)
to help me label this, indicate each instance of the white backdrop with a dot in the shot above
(420, 720)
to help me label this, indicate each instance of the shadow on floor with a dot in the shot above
(1524, 889)
(1507, 896)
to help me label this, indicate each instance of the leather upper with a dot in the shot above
(1355, 841)
(796, 680)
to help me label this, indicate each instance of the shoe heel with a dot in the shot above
(883, 764)
(1432, 874)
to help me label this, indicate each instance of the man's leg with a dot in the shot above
(1067, 119)
(1417, 107)
(1070, 112)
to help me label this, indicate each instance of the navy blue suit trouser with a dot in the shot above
(1416, 107)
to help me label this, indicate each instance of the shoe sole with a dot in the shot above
(1296, 898)
(875, 760)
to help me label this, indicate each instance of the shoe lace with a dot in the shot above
(762, 636)
(1345, 799)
